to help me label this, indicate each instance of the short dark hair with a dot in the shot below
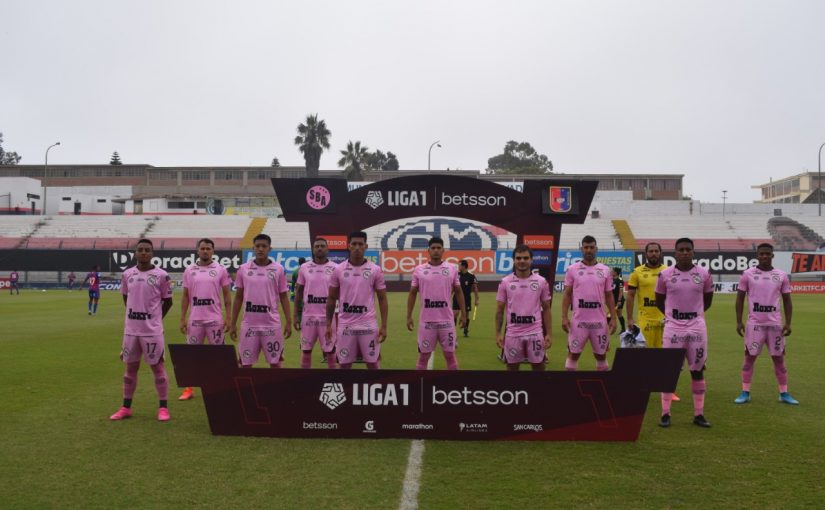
(652, 243)
(262, 237)
(520, 248)
(435, 240)
(765, 245)
(589, 239)
(617, 270)
(683, 240)
(146, 241)
(205, 240)
(301, 260)
(319, 238)
(463, 263)
(359, 234)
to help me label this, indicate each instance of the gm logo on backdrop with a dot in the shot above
(457, 235)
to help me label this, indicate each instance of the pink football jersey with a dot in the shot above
(435, 285)
(145, 292)
(684, 294)
(523, 297)
(357, 286)
(205, 286)
(589, 283)
(315, 280)
(764, 289)
(262, 287)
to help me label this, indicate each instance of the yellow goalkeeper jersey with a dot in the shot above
(643, 279)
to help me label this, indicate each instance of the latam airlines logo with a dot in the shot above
(457, 235)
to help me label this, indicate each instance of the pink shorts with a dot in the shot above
(255, 339)
(151, 347)
(525, 345)
(594, 332)
(432, 333)
(693, 339)
(354, 338)
(196, 332)
(757, 335)
(315, 329)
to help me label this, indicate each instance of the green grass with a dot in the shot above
(60, 378)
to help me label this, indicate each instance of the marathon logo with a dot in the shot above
(417, 426)
(763, 308)
(202, 302)
(259, 333)
(522, 319)
(429, 303)
(380, 394)
(348, 308)
(438, 325)
(591, 305)
(316, 300)
(687, 339)
(683, 316)
(250, 308)
(767, 327)
(139, 316)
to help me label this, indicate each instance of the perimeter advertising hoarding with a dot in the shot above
(172, 261)
(431, 404)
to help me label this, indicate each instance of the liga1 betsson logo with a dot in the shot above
(455, 233)
(332, 395)
(374, 199)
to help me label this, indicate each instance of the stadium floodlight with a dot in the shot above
(724, 199)
(45, 176)
(430, 152)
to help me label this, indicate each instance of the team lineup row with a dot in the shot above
(335, 306)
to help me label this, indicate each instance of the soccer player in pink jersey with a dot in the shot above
(260, 284)
(204, 283)
(588, 287)
(311, 291)
(355, 282)
(437, 282)
(683, 293)
(147, 294)
(764, 286)
(526, 298)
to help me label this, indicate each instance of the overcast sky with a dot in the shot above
(730, 93)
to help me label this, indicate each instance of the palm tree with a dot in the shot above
(353, 160)
(312, 139)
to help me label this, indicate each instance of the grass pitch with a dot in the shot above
(60, 378)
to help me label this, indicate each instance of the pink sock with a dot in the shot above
(306, 359)
(130, 380)
(161, 381)
(331, 360)
(345, 366)
(781, 372)
(423, 359)
(747, 372)
(571, 365)
(667, 398)
(601, 365)
(452, 361)
(374, 366)
(698, 388)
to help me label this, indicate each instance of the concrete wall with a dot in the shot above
(18, 193)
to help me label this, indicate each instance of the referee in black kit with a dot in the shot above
(469, 284)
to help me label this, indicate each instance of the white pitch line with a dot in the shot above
(412, 478)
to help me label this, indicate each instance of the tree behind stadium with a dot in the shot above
(115, 159)
(312, 139)
(354, 160)
(519, 158)
(8, 158)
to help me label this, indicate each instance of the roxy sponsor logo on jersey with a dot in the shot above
(590, 325)
(649, 302)
(139, 316)
(432, 303)
(589, 304)
(316, 300)
(202, 302)
(763, 308)
(522, 319)
(253, 308)
(683, 316)
(348, 308)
